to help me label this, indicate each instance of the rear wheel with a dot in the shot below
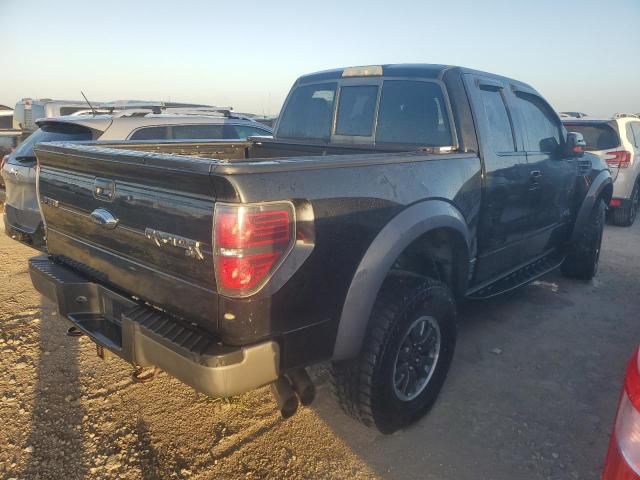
(405, 357)
(584, 255)
(625, 216)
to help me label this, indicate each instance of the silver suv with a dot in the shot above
(617, 141)
(22, 216)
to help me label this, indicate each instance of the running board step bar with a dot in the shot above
(518, 277)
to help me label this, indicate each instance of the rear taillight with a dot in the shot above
(250, 242)
(620, 159)
(623, 458)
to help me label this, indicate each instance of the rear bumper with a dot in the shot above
(144, 336)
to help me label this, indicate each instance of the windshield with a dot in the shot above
(599, 136)
(51, 133)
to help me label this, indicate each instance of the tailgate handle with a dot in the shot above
(104, 189)
(104, 218)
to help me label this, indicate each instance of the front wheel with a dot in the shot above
(584, 255)
(405, 357)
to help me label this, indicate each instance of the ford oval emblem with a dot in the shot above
(104, 218)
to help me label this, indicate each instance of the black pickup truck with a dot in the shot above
(387, 195)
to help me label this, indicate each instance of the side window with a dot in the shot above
(200, 132)
(356, 108)
(244, 131)
(498, 120)
(542, 128)
(413, 112)
(149, 133)
(635, 126)
(70, 110)
(309, 112)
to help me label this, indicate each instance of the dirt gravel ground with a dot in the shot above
(531, 395)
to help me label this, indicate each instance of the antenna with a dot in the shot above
(88, 103)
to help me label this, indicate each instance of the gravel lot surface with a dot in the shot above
(531, 395)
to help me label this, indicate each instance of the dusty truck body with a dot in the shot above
(387, 194)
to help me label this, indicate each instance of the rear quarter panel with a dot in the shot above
(351, 204)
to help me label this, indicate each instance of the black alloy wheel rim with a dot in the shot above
(417, 358)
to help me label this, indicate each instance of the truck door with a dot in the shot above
(504, 212)
(551, 174)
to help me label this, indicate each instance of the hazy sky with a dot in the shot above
(581, 54)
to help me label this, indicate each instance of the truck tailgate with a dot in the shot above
(138, 220)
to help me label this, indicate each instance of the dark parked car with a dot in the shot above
(387, 194)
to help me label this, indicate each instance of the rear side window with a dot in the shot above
(244, 131)
(150, 133)
(413, 112)
(309, 112)
(197, 132)
(356, 110)
(599, 136)
(70, 110)
(203, 132)
(498, 120)
(542, 129)
(58, 132)
(635, 128)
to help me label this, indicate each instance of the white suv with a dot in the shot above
(616, 140)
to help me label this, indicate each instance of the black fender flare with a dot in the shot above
(397, 235)
(599, 183)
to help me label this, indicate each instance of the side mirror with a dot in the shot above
(575, 145)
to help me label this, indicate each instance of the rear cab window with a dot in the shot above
(356, 110)
(380, 111)
(597, 135)
(309, 112)
(413, 112)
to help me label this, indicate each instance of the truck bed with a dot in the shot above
(163, 195)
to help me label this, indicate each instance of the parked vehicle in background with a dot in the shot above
(623, 456)
(387, 194)
(27, 111)
(21, 214)
(6, 118)
(268, 121)
(573, 114)
(9, 140)
(617, 141)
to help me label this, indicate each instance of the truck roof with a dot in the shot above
(416, 70)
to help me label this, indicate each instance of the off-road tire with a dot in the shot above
(625, 216)
(364, 386)
(583, 256)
